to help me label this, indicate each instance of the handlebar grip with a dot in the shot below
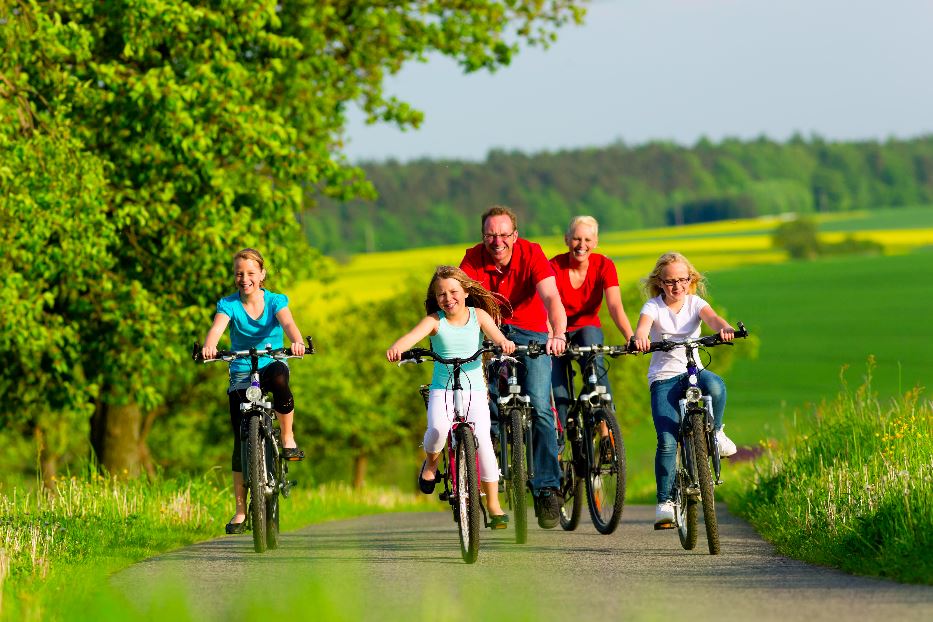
(196, 352)
(310, 344)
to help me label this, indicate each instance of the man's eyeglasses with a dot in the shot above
(673, 282)
(489, 237)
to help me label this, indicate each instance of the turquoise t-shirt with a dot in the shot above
(458, 342)
(246, 332)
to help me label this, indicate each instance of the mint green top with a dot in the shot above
(458, 342)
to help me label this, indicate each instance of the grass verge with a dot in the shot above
(58, 547)
(852, 488)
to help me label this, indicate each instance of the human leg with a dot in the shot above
(237, 524)
(665, 412)
(477, 408)
(713, 386)
(274, 377)
(440, 402)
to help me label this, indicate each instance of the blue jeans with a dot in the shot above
(665, 410)
(560, 381)
(534, 375)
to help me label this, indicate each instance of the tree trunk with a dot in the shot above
(48, 460)
(359, 469)
(115, 435)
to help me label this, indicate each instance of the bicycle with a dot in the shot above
(514, 416)
(265, 473)
(461, 480)
(697, 448)
(593, 451)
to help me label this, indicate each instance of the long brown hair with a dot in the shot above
(652, 283)
(480, 297)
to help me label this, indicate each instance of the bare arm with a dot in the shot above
(492, 331)
(726, 332)
(642, 342)
(427, 325)
(557, 317)
(209, 349)
(617, 311)
(284, 316)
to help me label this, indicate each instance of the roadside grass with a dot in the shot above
(57, 549)
(852, 487)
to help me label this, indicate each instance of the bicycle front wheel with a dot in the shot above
(274, 468)
(518, 473)
(257, 478)
(706, 485)
(685, 504)
(605, 480)
(467, 506)
(571, 487)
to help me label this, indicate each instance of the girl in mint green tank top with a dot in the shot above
(454, 330)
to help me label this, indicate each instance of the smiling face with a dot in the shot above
(581, 242)
(451, 297)
(248, 276)
(498, 237)
(675, 282)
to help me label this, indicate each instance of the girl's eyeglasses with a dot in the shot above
(673, 282)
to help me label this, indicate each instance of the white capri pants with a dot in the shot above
(440, 418)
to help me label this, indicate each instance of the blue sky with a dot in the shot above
(641, 70)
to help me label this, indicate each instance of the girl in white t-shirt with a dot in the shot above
(674, 312)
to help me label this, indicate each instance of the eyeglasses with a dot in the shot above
(489, 237)
(673, 282)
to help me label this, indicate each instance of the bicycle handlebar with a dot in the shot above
(706, 342)
(232, 355)
(575, 351)
(418, 355)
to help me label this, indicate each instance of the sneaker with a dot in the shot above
(726, 446)
(664, 515)
(547, 507)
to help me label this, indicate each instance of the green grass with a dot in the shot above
(852, 488)
(894, 218)
(56, 550)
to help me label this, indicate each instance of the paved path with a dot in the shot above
(408, 567)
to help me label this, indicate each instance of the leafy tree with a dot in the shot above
(208, 127)
(798, 237)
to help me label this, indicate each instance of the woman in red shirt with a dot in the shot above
(583, 279)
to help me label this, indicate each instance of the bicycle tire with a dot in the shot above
(706, 485)
(518, 473)
(467, 494)
(605, 478)
(274, 467)
(571, 485)
(685, 513)
(257, 476)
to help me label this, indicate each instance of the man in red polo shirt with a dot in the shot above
(518, 270)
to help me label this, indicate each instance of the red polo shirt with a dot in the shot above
(582, 304)
(516, 282)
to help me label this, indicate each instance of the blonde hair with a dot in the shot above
(480, 297)
(652, 283)
(576, 221)
(253, 254)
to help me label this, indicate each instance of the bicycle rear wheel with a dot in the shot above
(571, 485)
(706, 485)
(467, 490)
(518, 473)
(257, 476)
(685, 505)
(605, 479)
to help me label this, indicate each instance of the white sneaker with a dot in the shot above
(726, 446)
(664, 515)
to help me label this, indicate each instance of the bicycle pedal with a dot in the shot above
(662, 526)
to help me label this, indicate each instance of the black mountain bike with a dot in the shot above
(515, 433)
(698, 460)
(265, 473)
(593, 453)
(461, 481)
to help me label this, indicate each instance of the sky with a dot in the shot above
(678, 70)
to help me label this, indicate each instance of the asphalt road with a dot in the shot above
(408, 567)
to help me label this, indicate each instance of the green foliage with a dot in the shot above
(799, 237)
(629, 187)
(852, 488)
(151, 140)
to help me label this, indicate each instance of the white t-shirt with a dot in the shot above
(676, 327)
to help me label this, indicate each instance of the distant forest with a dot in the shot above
(434, 202)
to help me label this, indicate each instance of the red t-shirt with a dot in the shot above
(516, 282)
(582, 304)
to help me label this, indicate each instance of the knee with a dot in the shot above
(667, 444)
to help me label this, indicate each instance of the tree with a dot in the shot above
(208, 127)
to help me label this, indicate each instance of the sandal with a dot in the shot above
(427, 485)
(500, 521)
(292, 454)
(236, 528)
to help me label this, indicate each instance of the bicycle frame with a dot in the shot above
(507, 375)
(580, 413)
(693, 405)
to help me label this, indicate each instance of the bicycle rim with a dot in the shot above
(467, 495)
(706, 487)
(571, 485)
(257, 477)
(605, 480)
(685, 508)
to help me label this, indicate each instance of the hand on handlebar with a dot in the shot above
(298, 348)
(641, 343)
(555, 345)
(508, 347)
(208, 352)
(727, 334)
(394, 354)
